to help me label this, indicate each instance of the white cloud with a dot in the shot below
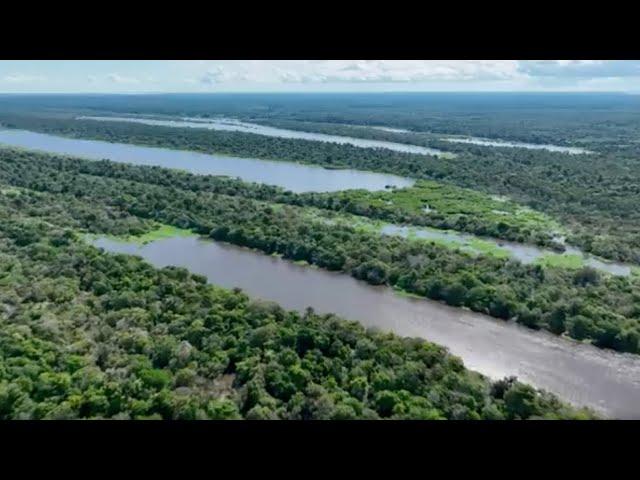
(23, 78)
(319, 75)
(581, 68)
(420, 70)
(117, 78)
(339, 71)
(212, 76)
(227, 74)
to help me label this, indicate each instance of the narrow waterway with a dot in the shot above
(505, 143)
(519, 251)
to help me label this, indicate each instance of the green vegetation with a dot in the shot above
(419, 234)
(115, 199)
(488, 248)
(84, 334)
(604, 122)
(443, 206)
(572, 261)
(594, 196)
(10, 191)
(160, 232)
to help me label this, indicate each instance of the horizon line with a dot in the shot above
(324, 92)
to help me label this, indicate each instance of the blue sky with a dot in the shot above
(128, 76)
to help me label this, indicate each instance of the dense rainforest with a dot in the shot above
(85, 334)
(594, 196)
(607, 120)
(103, 197)
(90, 334)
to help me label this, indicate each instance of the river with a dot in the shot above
(607, 381)
(291, 176)
(228, 124)
(504, 143)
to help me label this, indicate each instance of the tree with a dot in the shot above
(580, 327)
(455, 294)
(520, 401)
(586, 276)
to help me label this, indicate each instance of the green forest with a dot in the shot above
(88, 334)
(583, 303)
(85, 334)
(593, 196)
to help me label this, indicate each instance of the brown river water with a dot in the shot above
(607, 381)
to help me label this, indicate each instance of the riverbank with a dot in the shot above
(578, 373)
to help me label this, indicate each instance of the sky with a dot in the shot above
(201, 76)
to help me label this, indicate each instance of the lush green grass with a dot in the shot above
(451, 200)
(570, 261)
(488, 248)
(162, 231)
(447, 206)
